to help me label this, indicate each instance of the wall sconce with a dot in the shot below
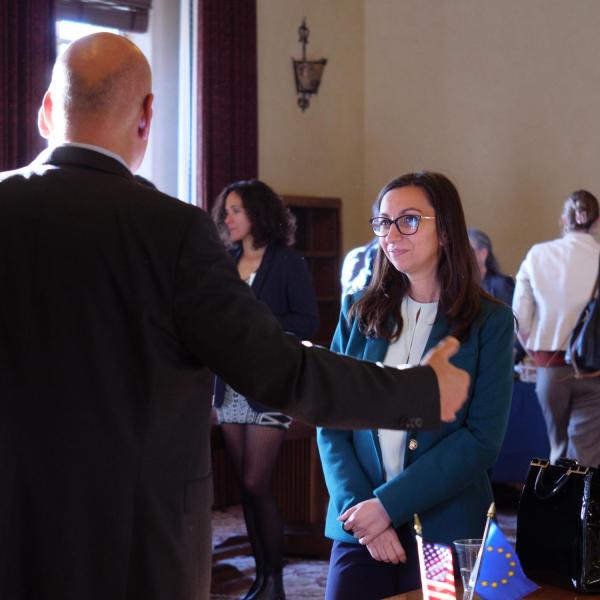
(307, 73)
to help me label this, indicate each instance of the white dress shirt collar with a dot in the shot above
(98, 149)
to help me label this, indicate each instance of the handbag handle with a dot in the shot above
(571, 346)
(542, 491)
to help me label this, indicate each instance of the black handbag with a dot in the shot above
(558, 525)
(583, 349)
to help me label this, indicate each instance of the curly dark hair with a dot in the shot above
(270, 219)
(457, 271)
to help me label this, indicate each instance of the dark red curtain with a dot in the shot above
(27, 52)
(227, 97)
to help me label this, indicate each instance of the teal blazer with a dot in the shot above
(445, 476)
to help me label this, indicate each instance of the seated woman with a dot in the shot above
(425, 286)
(259, 229)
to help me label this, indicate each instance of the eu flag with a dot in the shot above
(501, 576)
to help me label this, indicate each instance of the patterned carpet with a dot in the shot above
(232, 577)
(303, 579)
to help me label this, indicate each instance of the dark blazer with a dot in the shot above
(500, 286)
(284, 284)
(115, 297)
(445, 476)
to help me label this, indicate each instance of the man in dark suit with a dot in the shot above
(115, 298)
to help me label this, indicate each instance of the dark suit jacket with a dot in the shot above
(284, 284)
(500, 286)
(114, 299)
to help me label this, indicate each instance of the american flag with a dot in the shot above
(437, 571)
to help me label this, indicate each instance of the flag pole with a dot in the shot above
(419, 538)
(475, 572)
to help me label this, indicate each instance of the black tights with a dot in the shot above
(254, 450)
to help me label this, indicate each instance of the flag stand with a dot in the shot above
(475, 572)
(419, 538)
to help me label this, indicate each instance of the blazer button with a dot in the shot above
(413, 444)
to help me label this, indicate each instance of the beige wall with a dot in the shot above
(319, 152)
(502, 96)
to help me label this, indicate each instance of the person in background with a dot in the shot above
(357, 268)
(493, 280)
(259, 230)
(426, 285)
(554, 283)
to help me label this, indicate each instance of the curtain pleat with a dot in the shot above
(227, 95)
(27, 52)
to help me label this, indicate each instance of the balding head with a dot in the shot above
(100, 94)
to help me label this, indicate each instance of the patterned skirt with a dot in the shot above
(235, 409)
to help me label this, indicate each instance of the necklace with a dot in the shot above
(414, 328)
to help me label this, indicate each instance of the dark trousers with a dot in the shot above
(355, 575)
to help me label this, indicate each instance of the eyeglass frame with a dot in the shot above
(395, 222)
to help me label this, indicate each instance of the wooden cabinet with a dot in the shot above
(318, 238)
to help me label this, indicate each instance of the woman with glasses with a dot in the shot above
(425, 286)
(259, 229)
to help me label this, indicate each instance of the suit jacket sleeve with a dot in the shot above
(448, 467)
(227, 329)
(347, 482)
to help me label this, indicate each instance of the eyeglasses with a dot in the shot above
(406, 224)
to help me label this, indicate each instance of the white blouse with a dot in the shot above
(417, 320)
(553, 286)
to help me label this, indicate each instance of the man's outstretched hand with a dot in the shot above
(453, 382)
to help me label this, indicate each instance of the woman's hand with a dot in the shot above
(365, 520)
(386, 547)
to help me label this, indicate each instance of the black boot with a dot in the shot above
(272, 586)
(257, 551)
(256, 586)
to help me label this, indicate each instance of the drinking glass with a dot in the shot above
(467, 551)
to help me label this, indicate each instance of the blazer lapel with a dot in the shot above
(263, 270)
(438, 331)
(375, 351)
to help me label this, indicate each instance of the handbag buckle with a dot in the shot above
(540, 462)
(578, 470)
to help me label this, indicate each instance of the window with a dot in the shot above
(124, 15)
(69, 31)
(168, 40)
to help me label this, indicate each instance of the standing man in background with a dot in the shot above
(115, 299)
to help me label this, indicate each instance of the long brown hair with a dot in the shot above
(378, 310)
